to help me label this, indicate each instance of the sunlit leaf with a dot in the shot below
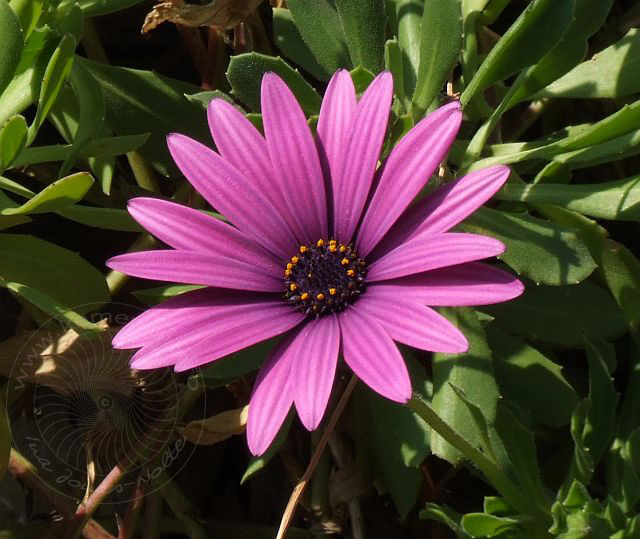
(610, 73)
(320, 28)
(11, 48)
(363, 23)
(13, 137)
(290, 42)
(245, 76)
(538, 28)
(538, 249)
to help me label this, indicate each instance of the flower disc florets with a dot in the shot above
(324, 277)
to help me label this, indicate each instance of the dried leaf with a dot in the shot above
(216, 428)
(67, 362)
(222, 14)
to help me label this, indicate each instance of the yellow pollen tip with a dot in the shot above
(303, 248)
(333, 242)
(320, 296)
(351, 273)
(344, 261)
(320, 243)
(294, 259)
(332, 291)
(304, 296)
(293, 287)
(287, 273)
(289, 266)
(342, 248)
(333, 248)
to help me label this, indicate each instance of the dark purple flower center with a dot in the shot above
(324, 277)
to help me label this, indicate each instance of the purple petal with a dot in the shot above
(295, 159)
(445, 207)
(336, 112)
(412, 323)
(410, 165)
(271, 399)
(373, 356)
(191, 230)
(357, 163)
(473, 283)
(195, 268)
(242, 145)
(232, 194)
(187, 313)
(315, 349)
(427, 252)
(236, 327)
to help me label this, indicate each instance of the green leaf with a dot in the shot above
(55, 76)
(320, 28)
(483, 525)
(102, 147)
(538, 249)
(55, 196)
(106, 218)
(617, 200)
(362, 78)
(623, 483)
(528, 378)
(589, 15)
(600, 425)
(561, 315)
(52, 307)
(13, 137)
(93, 8)
(439, 49)
(405, 22)
(11, 49)
(28, 13)
(446, 516)
(480, 422)
(363, 23)
(153, 296)
(258, 463)
(471, 372)
(245, 76)
(7, 221)
(145, 102)
(616, 264)
(289, 41)
(68, 19)
(25, 86)
(92, 111)
(393, 62)
(581, 468)
(612, 72)
(240, 363)
(540, 26)
(52, 270)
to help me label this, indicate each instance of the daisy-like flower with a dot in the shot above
(322, 246)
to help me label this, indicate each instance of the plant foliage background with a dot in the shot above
(545, 407)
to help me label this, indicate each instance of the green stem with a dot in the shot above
(181, 507)
(142, 172)
(494, 474)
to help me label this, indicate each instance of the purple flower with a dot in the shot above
(323, 246)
